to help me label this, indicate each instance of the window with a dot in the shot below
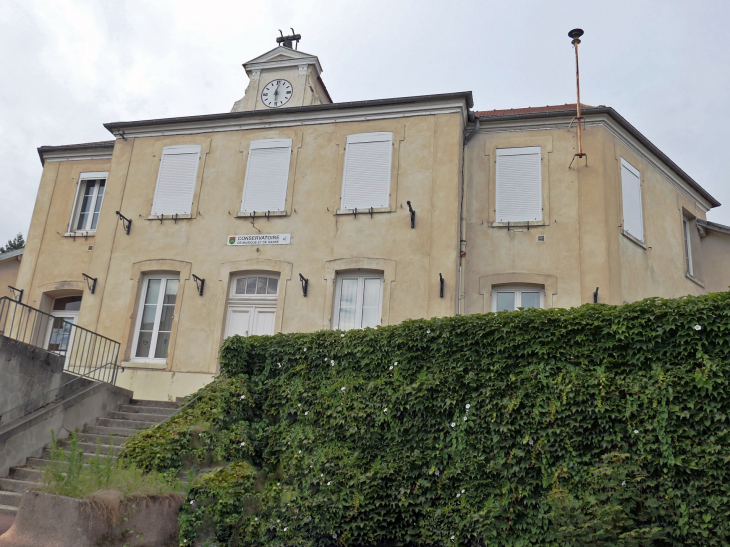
(176, 180)
(267, 176)
(366, 176)
(154, 318)
(252, 304)
(631, 199)
(519, 184)
(87, 206)
(510, 298)
(65, 312)
(687, 245)
(358, 301)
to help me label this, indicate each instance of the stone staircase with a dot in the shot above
(121, 424)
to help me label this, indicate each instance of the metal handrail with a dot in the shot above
(87, 375)
(85, 351)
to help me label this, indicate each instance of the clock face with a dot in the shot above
(276, 93)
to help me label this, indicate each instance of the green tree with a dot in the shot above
(13, 244)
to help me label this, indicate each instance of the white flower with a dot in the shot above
(623, 483)
(300, 451)
(278, 484)
(306, 413)
(285, 528)
(243, 397)
(636, 431)
(277, 520)
(342, 388)
(192, 501)
(697, 327)
(332, 362)
(468, 406)
(437, 473)
(458, 495)
(305, 349)
(428, 332)
(453, 424)
(532, 442)
(391, 367)
(255, 518)
(385, 410)
(279, 365)
(395, 364)
(300, 404)
(452, 538)
(342, 335)
(463, 490)
(334, 536)
(321, 474)
(329, 482)
(464, 418)
(243, 444)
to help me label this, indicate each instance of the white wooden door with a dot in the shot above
(247, 320)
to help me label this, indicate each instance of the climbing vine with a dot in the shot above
(536, 427)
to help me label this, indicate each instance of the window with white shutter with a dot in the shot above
(267, 176)
(631, 199)
(366, 177)
(176, 180)
(519, 184)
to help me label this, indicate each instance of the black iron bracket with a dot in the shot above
(17, 293)
(199, 284)
(371, 212)
(126, 222)
(305, 284)
(595, 296)
(441, 285)
(413, 215)
(90, 282)
(355, 212)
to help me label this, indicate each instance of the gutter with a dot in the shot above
(462, 216)
(710, 226)
(625, 125)
(465, 95)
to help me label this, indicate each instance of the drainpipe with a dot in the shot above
(462, 216)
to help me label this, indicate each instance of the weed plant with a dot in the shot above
(68, 475)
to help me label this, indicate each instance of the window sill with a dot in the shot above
(169, 217)
(80, 234)
(366, 211)
(634, 239)
(524, 223)
(694, 279)
(259, 214)
(141, 364)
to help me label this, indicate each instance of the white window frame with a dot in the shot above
(687, 246)
(361, 277)
(518, 290)
(518, 151)
(172, 151)
(251, 302)
(265, 144)
(158, 315)
(76, 209)
(377, 136)
(637, 173)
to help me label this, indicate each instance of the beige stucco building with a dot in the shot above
(9, 267)
(293, 213)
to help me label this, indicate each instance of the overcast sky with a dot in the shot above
(69, 66)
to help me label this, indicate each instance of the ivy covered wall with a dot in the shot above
(603, 425)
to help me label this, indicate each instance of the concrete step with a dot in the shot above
(104, 430)
(85, 456)
(158, 404)
(125, 424)
(104, 439)
(10, 498)
(90, 448)
(138, 409)
(132, 416)
(8, 509)
(25, 474)
(12, 485)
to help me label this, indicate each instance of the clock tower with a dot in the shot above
(281, 78)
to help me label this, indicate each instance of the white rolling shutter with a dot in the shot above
(366, 177)
(631, 198)
(519, 184)
(267, 175)
(176, 180)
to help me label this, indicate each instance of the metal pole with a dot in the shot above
(575, 42)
